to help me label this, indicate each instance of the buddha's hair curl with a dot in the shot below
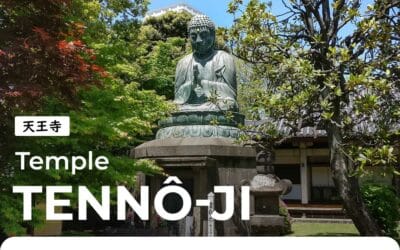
(201, 21)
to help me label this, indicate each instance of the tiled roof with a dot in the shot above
(304, 132)
(313, 132)
(365, 126)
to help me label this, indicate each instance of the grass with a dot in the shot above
(323, 229)
(298, 228)
(77, 233)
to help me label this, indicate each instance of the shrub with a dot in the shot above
(384, 205)
(283, 211)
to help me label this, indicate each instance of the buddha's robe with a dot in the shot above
(216, 81)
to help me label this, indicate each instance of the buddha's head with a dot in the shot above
(202, 35)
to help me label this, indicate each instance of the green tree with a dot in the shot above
(90, 48)
(145, 53)
(159, 66)
(170, 24)
(383, 203)
(308, 69)
(164, 41)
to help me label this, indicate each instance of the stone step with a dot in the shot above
(322, 220)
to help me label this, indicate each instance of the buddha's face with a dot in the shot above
(202, 40)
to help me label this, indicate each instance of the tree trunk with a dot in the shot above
(348, 187)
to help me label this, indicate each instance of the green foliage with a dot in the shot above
(164, 41)
(305, 69)
(132, 51)
(111, 120)
(310, 77)
(109, 116)
(171, 24)
(160, 63)
(283, 211)
(384, 204)
(381, 160)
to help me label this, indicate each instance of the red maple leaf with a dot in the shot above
(65, 47)
(77, 43)
(84, 67)
(42, 33)
(96, 68)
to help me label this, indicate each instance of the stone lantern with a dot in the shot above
(265, 191)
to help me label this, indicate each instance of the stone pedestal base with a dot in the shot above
(200, 124)
(201, 164)
(264, 225)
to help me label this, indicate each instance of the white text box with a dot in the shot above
(42, 125)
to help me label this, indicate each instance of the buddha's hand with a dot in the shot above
(198, 91)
